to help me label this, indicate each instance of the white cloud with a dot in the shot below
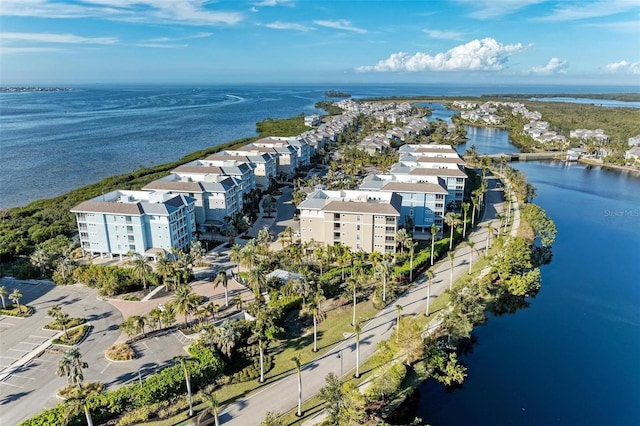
(341, 24)
(189, 12)
(274, 3)
(443, 35)
(554, 66)
(585, 10)
(161, 45)
(10, 50)
(167, 39)
(623, 67)
(57, 38)
(277, 25)
(489, 9)
(477, 55)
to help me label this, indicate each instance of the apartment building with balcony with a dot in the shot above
(148, 223)
(217, 196)
(361, 220)
(423, 203)
(264, 165)
(453, 179)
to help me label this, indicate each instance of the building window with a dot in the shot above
(358, 218)
(357, 237)
(357, 227)
(411, 212)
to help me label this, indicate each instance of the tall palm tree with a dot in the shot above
(183, 362)
(3, 293)
(71, 365)
(399, 309)
(236, 255)
(465, 209)
(140, 321)
(475, 202)
(257, 280)
(471, 245)
(412, 251)
(15, 297)
(375, 257)
(238, 302)
(140, 268)
(429, 279)
(164, 268)
(383, 268)
(155, 315)
(403, 239)
(184, 302)
(489, 234)
(213, 408)
(222, 278)
(77, 403)
(297, 363)
(317, 313)
(225, 336)
(452, 257)
(453, 221)
(352, 287)
(61, 317)
(434, 229)
(357, 330)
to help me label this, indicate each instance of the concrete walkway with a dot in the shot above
(281, 396)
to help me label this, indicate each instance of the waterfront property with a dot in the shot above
(361, 220)
(217, 196)
(148, 223)
(423, 203)
(263, 165)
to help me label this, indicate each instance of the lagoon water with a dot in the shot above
(570, 358)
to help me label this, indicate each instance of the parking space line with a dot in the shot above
(105, 368)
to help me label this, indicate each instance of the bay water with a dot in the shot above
(570, 357)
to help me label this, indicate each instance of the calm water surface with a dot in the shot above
(571, 357)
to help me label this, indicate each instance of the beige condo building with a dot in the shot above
(362, 220)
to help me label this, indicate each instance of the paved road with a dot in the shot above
(282, 395)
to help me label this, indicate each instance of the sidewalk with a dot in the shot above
(281, 396)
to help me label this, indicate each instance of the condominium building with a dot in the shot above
(361, 220)
(286, 156)
(241, 172)
(216, 196)
(148, 223)
(264, 164)
(423, 203)
(453, 179)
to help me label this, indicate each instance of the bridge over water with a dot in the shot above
(526, 156)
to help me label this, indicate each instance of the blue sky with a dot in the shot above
(319, 41)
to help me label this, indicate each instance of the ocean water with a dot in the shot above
(53, 142)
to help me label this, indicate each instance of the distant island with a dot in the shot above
(34, 89)
(336, 94)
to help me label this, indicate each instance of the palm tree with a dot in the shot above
(452, 220)
(475, 201)
(164, 268)
(225, 336)
(429, 279)
(155, 315)
(489, 233)
(184, 302)
(357, 329)
(222, 278)
(213, 408)
(353, 286)
(471, 245)
(140, 268)
(465, 209)
(375, 257)
(256, 279)
(399, 309)
(383, 267)
(3, 293)
(71, 365)
(61, 317)
(412, 250)
(15, 297)
(434, 229)
(238, 302)
(140, 321)
(318, 314)
(296, 361)
(452, 256)
(77, 403)
(403, 238)
(236, 255)
(183, 361)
